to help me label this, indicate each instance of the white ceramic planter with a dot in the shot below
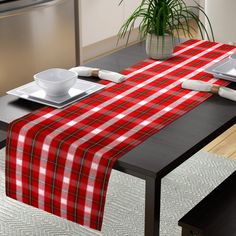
(159, 47)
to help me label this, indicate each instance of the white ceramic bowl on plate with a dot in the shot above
(55, 81)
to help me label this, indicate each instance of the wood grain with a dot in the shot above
(225, 144)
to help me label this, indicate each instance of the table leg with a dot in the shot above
(3, 135)
(188, 232)
(152, 206)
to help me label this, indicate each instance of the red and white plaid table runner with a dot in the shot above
(60, 160)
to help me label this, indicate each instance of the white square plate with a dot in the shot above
(221, 70)
(226, 69)
(33, 92)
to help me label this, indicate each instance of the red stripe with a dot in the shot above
(90, 139)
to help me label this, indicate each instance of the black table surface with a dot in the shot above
(166, 149)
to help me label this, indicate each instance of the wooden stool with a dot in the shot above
(215, 215)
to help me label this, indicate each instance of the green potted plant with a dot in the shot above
(161, 22)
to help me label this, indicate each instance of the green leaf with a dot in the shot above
(162, 17)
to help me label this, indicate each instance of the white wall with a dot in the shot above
(222, 14)
(129, 7)
(101, 19)
(191, 2)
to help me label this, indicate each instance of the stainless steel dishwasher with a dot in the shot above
(36, 35)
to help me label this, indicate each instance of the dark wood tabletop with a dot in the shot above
(163, 151)
(170, 146)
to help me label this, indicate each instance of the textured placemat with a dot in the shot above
(124, 211)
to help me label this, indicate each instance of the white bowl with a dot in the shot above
(56, 82)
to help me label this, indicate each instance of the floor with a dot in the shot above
(181, 189)
(224, 145)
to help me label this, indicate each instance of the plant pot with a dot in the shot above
(159, 47)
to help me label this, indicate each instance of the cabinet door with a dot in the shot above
(35, 38)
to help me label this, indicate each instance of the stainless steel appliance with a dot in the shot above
(36, 35)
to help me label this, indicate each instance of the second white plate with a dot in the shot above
(218, 70)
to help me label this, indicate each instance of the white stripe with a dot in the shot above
(66, 180)
(48, 115)
(129, 110)
(121, 138)
(158, 62)
(90, 188)
(20, 146)
(95, 109)
(163, 90)
(168, 108)
(94, 166)
(96, 131)
(63, 201)
(42, 170)
(21, 138)
(145, 123)
(71, 123)
(143, 102)
(102, 151)
(18, 162)
(118, 97)
(45, 147)
(120, 116)
(87, 209)
(89, 113)
(153, 117)
(149, 99)
(187, 96)
(19, 183)
(41, 192)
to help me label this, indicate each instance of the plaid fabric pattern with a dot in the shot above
(60, 160)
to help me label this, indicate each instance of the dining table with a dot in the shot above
(163, 151)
